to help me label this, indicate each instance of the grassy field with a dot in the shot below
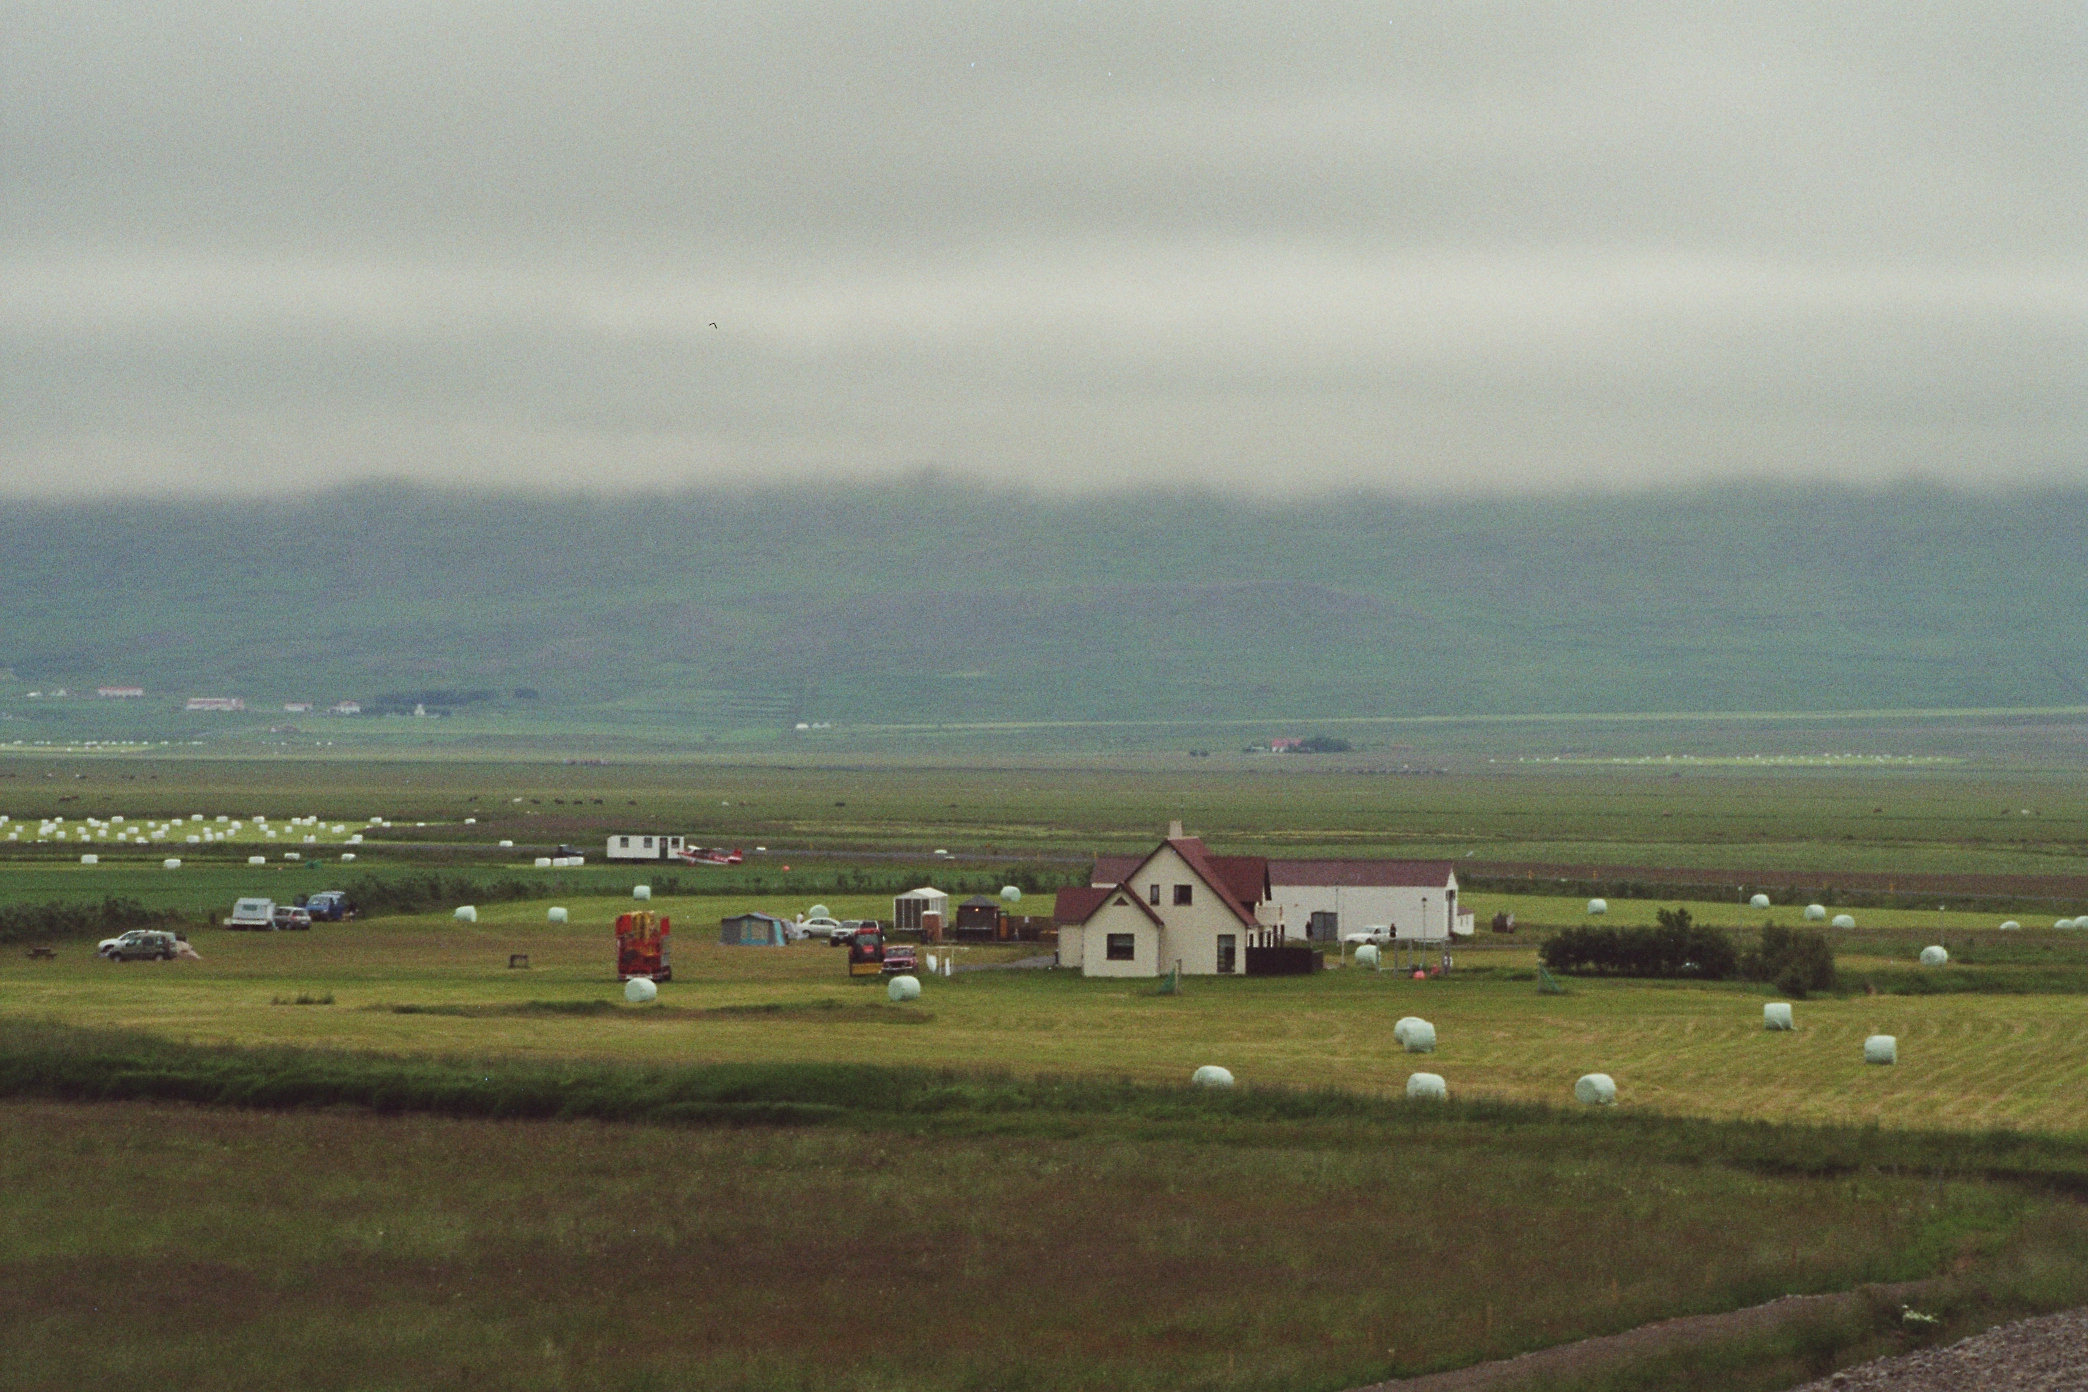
(1968, 1060)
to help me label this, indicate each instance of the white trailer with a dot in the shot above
(639, 846)
(253, 915)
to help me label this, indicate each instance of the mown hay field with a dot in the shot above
(1966, 1060)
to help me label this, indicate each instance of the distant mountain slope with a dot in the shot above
(933, 603)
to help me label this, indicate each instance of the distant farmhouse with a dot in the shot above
(1180, 906)
(217, 703)
(119, 693)
(346, 708)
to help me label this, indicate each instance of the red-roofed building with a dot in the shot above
(1322, 900)
(1178, 906)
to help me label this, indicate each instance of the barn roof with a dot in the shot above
(1413, 873)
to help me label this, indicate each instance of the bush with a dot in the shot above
(1798, 960)
(1678, 948)
(25, 923)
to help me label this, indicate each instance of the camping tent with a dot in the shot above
(751, 930)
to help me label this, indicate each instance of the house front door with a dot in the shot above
(1225, 953)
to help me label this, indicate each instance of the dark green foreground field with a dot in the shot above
(362, 1222)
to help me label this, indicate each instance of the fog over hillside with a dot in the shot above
(937, 602)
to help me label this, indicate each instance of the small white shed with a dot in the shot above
(907, 908)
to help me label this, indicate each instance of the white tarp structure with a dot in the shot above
(907, 908)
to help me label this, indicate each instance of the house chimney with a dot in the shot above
(1174, 831)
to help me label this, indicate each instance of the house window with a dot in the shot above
(624, 842)
(1226, 942)
(1153, 894)
(1182, 894)
(1122, 947)
(648, 843)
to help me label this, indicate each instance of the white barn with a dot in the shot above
(638, 846)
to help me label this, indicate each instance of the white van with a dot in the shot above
(253, 915)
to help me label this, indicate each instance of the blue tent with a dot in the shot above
(752, 930)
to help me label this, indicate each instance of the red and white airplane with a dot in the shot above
(716, 855)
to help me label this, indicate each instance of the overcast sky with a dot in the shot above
(1267, 248)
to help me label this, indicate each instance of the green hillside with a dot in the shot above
(727, 614)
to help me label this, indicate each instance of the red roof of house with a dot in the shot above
(1129, 894)
(1430, 873)
(1074, 905)
(1114, 870)
(1246, 878)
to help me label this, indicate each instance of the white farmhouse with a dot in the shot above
(1177, 907)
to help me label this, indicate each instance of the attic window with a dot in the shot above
(1182, 894)
(1122, 902)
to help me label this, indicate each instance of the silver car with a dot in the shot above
(149, 943)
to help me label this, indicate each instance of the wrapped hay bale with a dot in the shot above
(507, 845)
(641, 891)
(818, 911)
(1367, 956)
(543, 862)
(1596, 1089)
(556, 916)
(2071, 923)
(1934, 956)
(257, 860)
(1011, 894)
(1211, 1076)
(2011, 927)
(466, 913)
(1881, 1048)
(903, 989)
(171, 864)
(639, 990)
(1415, 1034)
(1843, 921)
(90, 860)
(1776, 1015)
(347, 855)
(1428, 1086)
(1598, 906)
(1760, 901)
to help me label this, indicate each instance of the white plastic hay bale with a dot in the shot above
(903, 988)
(2068, 923)
(639, 990)
(1367, 956)
(818, 911)
(1211, 1076)
(1815, 913)
(1760, 901)
(543, 862)
(1776, 1015)
(90, 860)
(466, 913)
(348, 855)
(257, 860)
(293, 855)
(195, 840)
(641, 891)
(557, 916)
(1596, 1089)
(1934, 956)
(1415, 1034)
(1881, 1048)
(1598, 906)
(1842, 921)
(171, 864)
(1428, 1086)
(1011, 894)
(2011, 927)
(507, 845)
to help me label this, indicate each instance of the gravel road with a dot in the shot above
(2047, 1354)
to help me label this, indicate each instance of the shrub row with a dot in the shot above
(41, 923)
(1798, 961)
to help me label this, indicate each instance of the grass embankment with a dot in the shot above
(859, 1227)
